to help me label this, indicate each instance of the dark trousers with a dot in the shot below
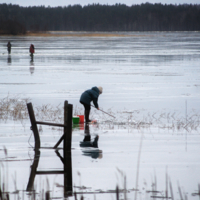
(87, 111)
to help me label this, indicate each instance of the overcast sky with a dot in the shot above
(54, 3)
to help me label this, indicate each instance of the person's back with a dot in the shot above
(87, 97)
(9, 47)
(90, 95)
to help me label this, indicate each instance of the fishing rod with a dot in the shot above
(104, 112)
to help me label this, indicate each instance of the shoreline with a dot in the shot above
(90, 33)
(70, 34)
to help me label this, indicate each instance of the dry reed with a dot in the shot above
(14, 108)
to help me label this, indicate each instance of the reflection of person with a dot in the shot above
(87, 139)
(32, 51)
(91, 147)
(93, 153)
(9, 60)
(9, 47)
(87, 97)
(32, 68)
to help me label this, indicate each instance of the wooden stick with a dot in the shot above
(104, 112)
(49, 124)
(34, 125)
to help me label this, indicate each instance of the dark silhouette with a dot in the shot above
(66, 173)
(87, 97)
(66, 138)
(32, 51)
(96, 17)
(9, 47)
(90, 147)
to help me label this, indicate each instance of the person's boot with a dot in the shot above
(87, 113)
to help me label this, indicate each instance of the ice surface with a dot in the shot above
(144, 73)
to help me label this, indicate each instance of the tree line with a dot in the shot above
(15, 19)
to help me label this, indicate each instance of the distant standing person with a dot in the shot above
(87, 97)
(9, 47)
(32, 50)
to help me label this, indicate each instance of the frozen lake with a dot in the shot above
(145, 76)
(150, 71)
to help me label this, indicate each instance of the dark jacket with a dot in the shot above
(9, 45)
(90, 95)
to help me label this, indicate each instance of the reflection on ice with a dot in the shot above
(150, 71)
(147, 77)
(32, 68)
(66, 172)
(9, 60)
(90, 147)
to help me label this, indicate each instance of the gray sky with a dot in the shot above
(54, 3)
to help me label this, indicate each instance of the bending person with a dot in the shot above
(87, 97)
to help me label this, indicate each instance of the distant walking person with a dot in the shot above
(32, 51)
(9, 47)
(87, 97)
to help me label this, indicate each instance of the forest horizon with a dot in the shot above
(15, 19)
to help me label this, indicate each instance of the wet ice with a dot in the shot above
(142, 72)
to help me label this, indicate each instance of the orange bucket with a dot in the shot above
(81, 119)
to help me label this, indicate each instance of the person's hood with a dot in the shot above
(95, 89)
